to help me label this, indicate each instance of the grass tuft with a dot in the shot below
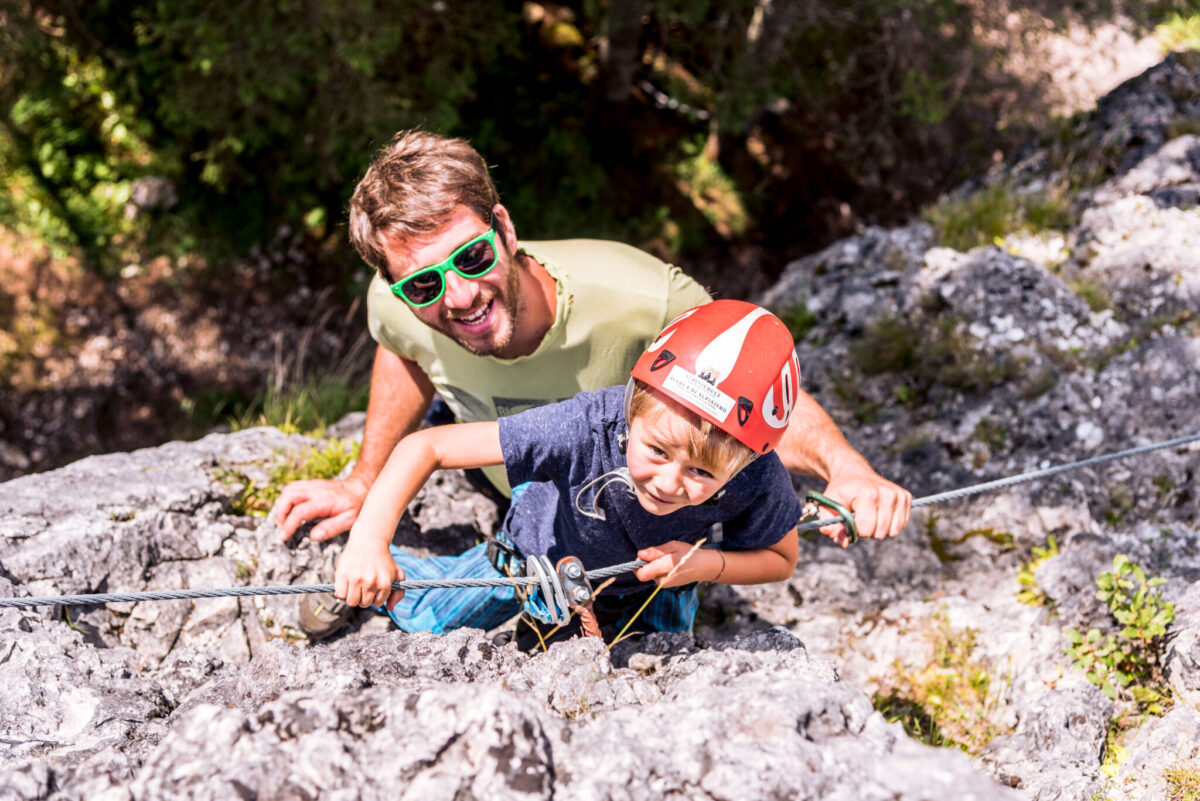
(256, 498)
(949, 702)
(1183, 782)
(988, 215)
(1030, 594)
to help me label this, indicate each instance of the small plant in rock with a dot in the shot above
(950, 701)
(1183, 782)
(1029, 593)
(930, 353)
(1092, 293)
(256, 498)
(1180, 32)
(1127, 664)
(800, 321)
(305, 407)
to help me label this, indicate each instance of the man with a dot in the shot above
(496, 326)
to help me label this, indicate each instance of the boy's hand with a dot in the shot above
(704, 564)
(365, 576)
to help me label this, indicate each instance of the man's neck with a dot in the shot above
(538, 307)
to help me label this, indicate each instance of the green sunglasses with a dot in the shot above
(426, 286)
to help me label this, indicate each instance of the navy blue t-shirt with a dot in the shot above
(564, 446)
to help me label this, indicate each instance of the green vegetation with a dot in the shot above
(988, 215)
(994, 439)
(711, 191)
(1029, 593)
(306, 407)
(943, 547)
(1180, 32)
(256, 496)
(800, 321)
(1092, 292)
(1120, 503)
(947, 703)
(1127, 665)
(1183, 783)
(928, 352)
(693, 127)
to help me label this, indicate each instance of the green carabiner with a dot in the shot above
(814, 497)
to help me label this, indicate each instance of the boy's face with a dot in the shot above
(665, 477)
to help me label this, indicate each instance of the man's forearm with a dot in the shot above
(400, 396)
(813, 445)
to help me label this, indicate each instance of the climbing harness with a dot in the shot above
(560, 588)
(504, 556)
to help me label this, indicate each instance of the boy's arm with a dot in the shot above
(366, 570)
(759, 566)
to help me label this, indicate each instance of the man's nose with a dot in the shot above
(460, 292)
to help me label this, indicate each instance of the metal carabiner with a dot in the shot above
(811, 512)
(547, 601)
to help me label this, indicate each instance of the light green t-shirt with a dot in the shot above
(612, 300)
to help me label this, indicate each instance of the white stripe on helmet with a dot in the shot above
(666, 333)
(789, 373)
(716, 361)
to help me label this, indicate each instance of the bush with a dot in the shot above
(1128, 663)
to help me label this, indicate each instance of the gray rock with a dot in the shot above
(1159, 748)
(1057, 748)
(1182, 663)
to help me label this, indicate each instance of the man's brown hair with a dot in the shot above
(411, 188)
(713, 448)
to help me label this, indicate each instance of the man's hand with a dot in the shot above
(338, 501)
(702, 565)
(365, 576)
(880, 507)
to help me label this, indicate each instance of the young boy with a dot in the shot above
(642, 471)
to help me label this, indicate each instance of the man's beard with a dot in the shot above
(511, 303)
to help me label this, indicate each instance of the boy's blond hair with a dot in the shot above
(707, 444)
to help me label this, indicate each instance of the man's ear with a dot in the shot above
(504, 226)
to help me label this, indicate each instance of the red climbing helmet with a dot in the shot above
(730, 362)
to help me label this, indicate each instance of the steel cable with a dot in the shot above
(522, 581)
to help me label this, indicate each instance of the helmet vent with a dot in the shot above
(662, 360)
(745, 408)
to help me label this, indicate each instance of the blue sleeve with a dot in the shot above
(770, 514)
(538, 443)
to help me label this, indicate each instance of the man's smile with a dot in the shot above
(477, 319)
